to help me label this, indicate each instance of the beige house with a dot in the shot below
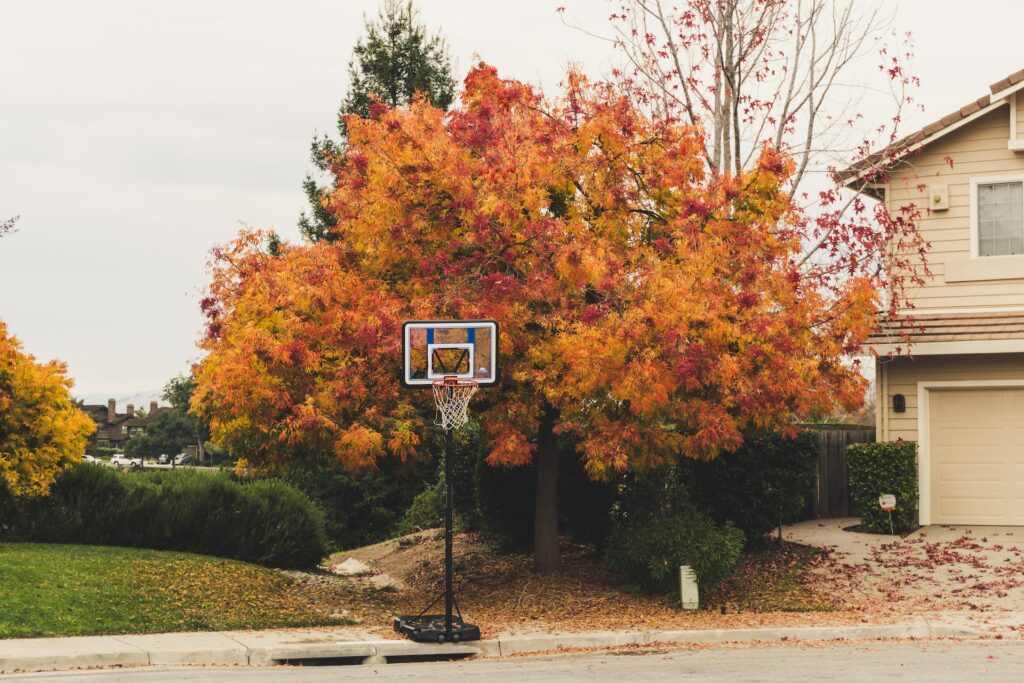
(960, 391)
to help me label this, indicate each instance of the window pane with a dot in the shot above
(1000, 219)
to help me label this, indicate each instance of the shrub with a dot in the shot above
(764, 484)
(649, 553)
(360, 509)
(426, 510)
(884, 468)
(269, 523)
(657, 528)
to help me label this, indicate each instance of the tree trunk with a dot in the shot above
(545, 524)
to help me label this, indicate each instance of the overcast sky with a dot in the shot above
(134, 135)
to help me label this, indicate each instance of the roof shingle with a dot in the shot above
(876, 162)
(948, 327)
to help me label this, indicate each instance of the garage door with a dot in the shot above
(976, 449)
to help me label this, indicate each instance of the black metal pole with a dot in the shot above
(449, 596)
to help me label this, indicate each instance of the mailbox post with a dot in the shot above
(887, 502)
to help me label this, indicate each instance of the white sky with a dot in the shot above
(136, 134)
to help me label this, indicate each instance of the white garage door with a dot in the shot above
(976, 444)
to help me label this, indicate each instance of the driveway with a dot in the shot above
(977, 571)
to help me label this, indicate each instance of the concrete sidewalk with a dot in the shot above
(262, 648)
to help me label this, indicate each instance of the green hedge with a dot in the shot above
(884, 468)
(767, 482)
(266, 522)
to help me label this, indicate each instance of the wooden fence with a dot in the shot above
(832, 497)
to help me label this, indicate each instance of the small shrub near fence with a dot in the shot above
(884, 468)
(657, 529)
(649, 554)
(266, 522)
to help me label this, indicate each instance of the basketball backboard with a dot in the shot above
(435, 349)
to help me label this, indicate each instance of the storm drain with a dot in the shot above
(373, 659)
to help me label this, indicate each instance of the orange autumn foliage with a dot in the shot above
(41, 430)
(657, 310)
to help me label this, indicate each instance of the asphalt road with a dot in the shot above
(910, 661)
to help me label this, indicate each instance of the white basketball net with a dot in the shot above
(452, 400)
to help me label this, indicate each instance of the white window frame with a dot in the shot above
(975, 228)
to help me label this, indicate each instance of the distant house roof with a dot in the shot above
(100, 413)
(147, 419)
(92, 408)
(927, 328)
(879, 161)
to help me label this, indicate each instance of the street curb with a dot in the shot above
(503, 647)
(269, 648)
(57, 654)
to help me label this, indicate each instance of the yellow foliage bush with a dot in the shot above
(41, 430)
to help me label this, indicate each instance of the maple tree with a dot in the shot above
(41, 430)
(649, 307)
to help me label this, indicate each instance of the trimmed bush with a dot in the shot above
(884, 468)
(649, 554)
(267, 522)
(765, 483)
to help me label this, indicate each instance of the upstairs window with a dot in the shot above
(1000, 218)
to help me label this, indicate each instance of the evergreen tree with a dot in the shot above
(394, 60)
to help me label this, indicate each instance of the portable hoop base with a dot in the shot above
(430, 628)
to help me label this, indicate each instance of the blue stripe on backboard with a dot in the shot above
(471, 332)
(430, 335)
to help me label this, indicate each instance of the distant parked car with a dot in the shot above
(89, 458)
(121, 460)
(164, 459)
(183, 458)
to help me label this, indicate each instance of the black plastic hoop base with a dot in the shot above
(429, 628)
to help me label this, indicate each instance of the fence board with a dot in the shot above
(832, 494)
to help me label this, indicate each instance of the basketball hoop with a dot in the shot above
(451, 398)
(455, 357)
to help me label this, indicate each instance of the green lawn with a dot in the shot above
(48, 590)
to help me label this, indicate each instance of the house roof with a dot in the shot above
(100, 414)
(879, 161)
(1014, 79)
(148, 418)
(926, 327)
